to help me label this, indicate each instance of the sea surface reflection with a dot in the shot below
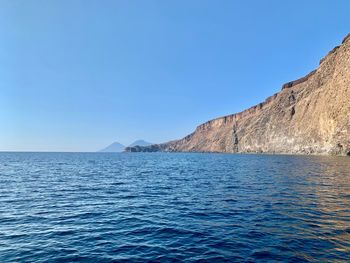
(98, 207)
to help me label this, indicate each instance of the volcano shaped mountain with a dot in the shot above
(114, 147)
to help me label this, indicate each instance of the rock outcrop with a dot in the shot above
(310, 115)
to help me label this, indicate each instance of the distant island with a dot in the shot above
(118, 147)
(140, 143)
(310, 115)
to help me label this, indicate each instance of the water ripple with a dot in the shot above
(77, 207)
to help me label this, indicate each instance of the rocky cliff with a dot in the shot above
(310, 115)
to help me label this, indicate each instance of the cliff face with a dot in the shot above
(310, 115)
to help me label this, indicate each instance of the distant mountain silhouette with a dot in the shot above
(114, 147)
(117, 147)
(140, 143)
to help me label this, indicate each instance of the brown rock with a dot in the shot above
(308, 116)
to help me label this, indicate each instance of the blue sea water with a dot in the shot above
(157, 207)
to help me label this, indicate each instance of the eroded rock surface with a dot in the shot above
(310, 115)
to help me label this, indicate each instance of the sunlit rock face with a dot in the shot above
(310, 115)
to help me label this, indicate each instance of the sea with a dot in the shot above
(173, 207)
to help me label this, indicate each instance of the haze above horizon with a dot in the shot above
(79, 75)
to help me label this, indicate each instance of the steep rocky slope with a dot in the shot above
(310, 115)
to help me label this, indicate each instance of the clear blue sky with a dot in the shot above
(78, 75)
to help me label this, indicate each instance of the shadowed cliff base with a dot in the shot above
(310, 115)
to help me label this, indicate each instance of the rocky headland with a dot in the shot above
(310, 115)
